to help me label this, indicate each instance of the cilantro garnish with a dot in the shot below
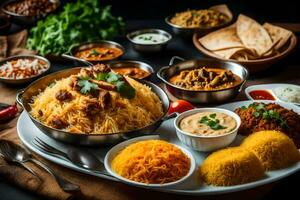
(212, 122)
(86, 85)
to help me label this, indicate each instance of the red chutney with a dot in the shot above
(261, 95)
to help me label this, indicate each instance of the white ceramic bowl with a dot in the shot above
(206, 143)
(116, 149)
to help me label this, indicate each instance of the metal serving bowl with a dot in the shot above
(211, 96)
(87, 45)
(186, 32)
(24, 98)
(24, 20)
(23, 80)
(130, 63)
(148, 48)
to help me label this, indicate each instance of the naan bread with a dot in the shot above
(253, 35)
(233, 52)
(277, 33)
(224, 38)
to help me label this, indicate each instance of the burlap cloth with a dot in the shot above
(14, 44)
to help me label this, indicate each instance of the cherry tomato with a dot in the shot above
(180, 106)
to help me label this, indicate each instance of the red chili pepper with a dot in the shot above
(8, 113)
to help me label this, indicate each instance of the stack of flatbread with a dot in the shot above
(246, 40)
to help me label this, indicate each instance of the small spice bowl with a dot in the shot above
(134, 69)
(206, 143)
(149, 40)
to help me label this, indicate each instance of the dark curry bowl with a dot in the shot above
(135, 64)
(187, 32)
(100, 43)
(24, 20)
(24, 98)
(11, 81)
(203, 96)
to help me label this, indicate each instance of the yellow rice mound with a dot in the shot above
(231, 166)
(274, 149)
(151, 162)
(122, 115)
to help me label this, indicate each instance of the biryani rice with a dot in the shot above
(122, 115)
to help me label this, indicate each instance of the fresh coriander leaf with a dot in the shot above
(204, 120)
(212, 123)
(218, 127)
(125, 89)
(94, 53)
(87, 86)
(101, 76)
(266, 115)
(243, 107)
(256, 114)
(259, 107)
(213, 115)
(113, 77)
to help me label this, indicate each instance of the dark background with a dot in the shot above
(261, 10)
(151, 13)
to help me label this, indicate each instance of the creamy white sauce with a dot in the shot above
(289, 94)
(150, 38)
(191, 124)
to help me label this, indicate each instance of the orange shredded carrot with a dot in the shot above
(151, 162)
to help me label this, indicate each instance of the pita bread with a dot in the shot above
(277, 33)
(253, 35)
(232, 52)
(224, 38)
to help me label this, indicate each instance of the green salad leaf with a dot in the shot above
(83, 21)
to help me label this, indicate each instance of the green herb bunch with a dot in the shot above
(83, 21)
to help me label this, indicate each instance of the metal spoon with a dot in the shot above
(80, 158)
(20, 155)
(77, 59)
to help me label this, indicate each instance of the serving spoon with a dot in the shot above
(77, 59)
(19, 155)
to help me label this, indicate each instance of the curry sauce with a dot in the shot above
(206, 79)
(99, 53)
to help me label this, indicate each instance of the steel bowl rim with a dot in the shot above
(155, 30)
(95, 135)
(140, 63)
(168, 18)
(205, 91)
(4, 10)
(23, 56)
(74, 48)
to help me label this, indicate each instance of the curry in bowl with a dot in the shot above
(199, 18)
(205, 79)
(99, 53)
